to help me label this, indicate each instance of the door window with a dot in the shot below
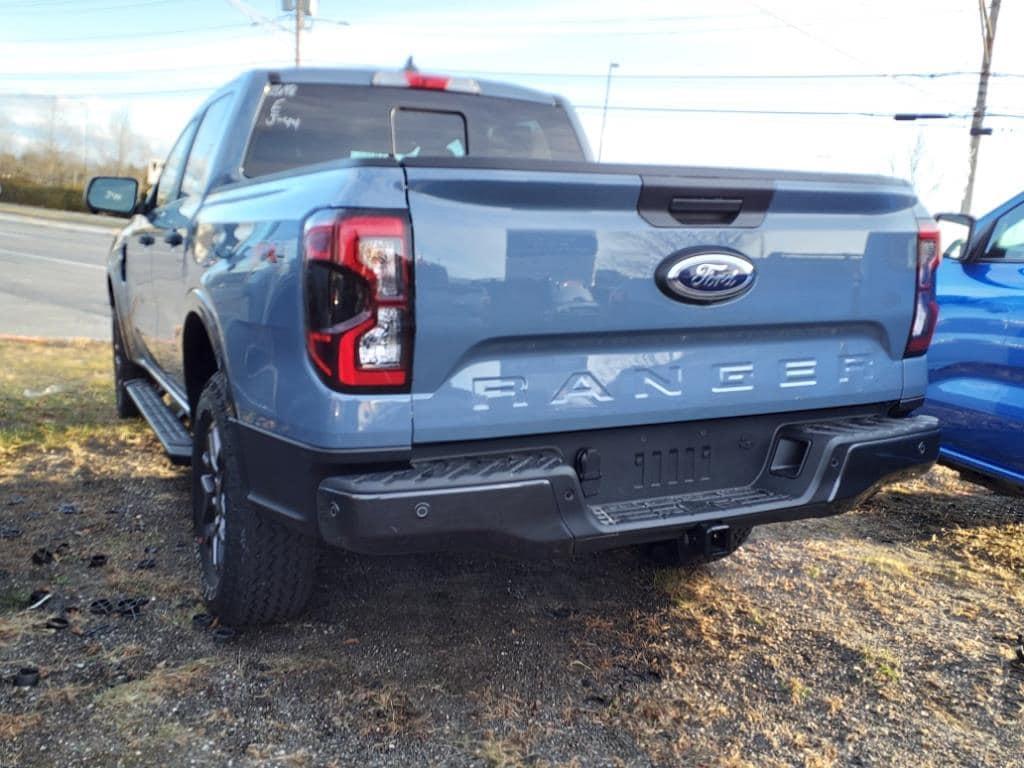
(200, 159)
(167, 186)
(1007, 242)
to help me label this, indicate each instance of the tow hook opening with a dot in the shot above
(717, 539)
(789, 456)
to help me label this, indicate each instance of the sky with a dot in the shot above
(691, 76)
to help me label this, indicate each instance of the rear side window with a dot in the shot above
(167, 186)
(301, 124)
(200, 159)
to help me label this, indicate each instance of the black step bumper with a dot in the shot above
(531, 502)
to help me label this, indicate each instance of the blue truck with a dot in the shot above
(977, 360)
(398, 312)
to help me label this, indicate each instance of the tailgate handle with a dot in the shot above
(705, 210)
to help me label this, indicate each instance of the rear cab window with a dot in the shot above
(302, 124)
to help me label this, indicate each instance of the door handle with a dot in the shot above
(146, 239)
(670, 201)
(705, 210)
(174, 238)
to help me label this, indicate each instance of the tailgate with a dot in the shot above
(567, 300)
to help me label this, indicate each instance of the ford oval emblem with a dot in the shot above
(705, 275)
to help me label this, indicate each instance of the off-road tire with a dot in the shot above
(679, 552)
(124, 370)
(267, 570)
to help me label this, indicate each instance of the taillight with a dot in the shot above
(359, 299)
(926, 307)
(409, 78)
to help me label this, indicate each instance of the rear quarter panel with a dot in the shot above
(246, 272)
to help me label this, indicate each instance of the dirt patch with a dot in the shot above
(882, 637)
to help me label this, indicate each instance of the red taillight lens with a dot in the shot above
(358, 300)
(926, 307)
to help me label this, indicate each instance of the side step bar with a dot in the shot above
(176, 440)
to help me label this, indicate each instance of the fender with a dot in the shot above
(198, 303)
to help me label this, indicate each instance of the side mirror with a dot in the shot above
(956, 229)
(955, 251)
(116, 195)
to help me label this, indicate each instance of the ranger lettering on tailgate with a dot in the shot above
(667, 381)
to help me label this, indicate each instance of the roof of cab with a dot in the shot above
(365, 77)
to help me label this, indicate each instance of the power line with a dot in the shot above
(33, 8)
(154, 50)
(39, 4)
(546, 75)
(118, 74)
(611, 107)
(731, 76)
(813, 38)
(741, 111)
(108, 94)
(126, 36)
(783, 112)
(551, 75)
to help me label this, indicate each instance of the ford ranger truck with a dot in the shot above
(396, 312)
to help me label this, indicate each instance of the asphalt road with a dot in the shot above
(53, 278)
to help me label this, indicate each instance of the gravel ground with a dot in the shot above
(882, 637)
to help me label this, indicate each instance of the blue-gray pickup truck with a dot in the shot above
(397, 312)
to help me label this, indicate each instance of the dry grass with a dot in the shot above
(380, 714)
(14, 626)
(504, 751)
(160, 684)
(881, 637)
(12, 726)
(53, 394)
(890, 565)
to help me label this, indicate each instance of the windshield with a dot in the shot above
(301, 124)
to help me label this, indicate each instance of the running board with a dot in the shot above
(171, 433)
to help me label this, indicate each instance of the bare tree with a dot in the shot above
(52, 152)
(53, 129)
(915, 168)
(122, 140)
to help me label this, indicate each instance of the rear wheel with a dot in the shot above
(124, 371)
(688, 550)
(254, 570)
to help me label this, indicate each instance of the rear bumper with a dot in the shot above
(531, 502)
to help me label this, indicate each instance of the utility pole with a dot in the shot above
(989, 18)
(298, 28)
(604, 112)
